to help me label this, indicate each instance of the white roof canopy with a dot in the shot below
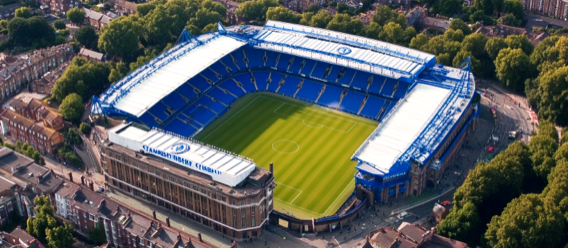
(403, 125)
(157, 85)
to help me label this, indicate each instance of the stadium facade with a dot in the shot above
(424, 110)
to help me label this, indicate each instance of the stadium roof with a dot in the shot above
(166, 73)
(403, 125)
(223, 166)
(339, 48)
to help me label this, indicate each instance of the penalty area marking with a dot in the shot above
(285, 140)
(279, 183)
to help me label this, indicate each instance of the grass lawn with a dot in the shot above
(310, 146)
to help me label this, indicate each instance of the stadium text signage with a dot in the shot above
(180, 160)
(395, 175)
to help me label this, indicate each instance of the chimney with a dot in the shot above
(271, 167)
(234, 244)
(154, 213)
(91, 185)
(83, 180)
(199, 236)
(70, 176)
(188, 244)
(179, 235)
(102, 203)
(168, 221)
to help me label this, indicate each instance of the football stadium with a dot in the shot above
(339, 120)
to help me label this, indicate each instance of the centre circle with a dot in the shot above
(285, 146)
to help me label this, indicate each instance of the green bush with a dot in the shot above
(85, 128)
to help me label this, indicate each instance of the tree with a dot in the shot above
(76, 15)
(545, 51)
(461, 224)
(458, 24)
(86, 78)
(256, 9)
(97, 234)
(475, 44)
(87, 36)
(553, 96)
(519, 41)
(43, 220)
(564, 133)
(493, 46)
(20, 32)
(392, 33)
(36, 156)
(344, 23)
(384, 15)
(85, 128)
(448, 7)
(542, 149)
(120, 37)
(72, 107)
(283, 14)
(512, 66)
(528, 221)
(314, 8)
(462, 55)
(23, 12)
(320, 19)
(419, 41)
(3, 24)
(454, 35)
(60, 237)
(510, 20)
(514, 7)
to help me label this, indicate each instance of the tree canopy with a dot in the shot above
(120, 37)
(23, 12)
(283, 14)
(87, 36)
(76, 15)
(72, 107)
(34, 31)
(82, 77)
(513, 67)
(43, 220)
(256, 9)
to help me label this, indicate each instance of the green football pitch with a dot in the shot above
(310, 147)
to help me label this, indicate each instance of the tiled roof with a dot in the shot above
(91, 54)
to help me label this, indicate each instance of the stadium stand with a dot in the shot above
(330, 97)
(309, 91)
(351, 102)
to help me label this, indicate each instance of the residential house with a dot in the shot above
(553, 8)
(411, 236)
(440, 24)
(35, 110)
(34, 180)
(45, 84)
(124, 227)
(500, 31)
(7, 200)
(123, 7)
(60, 7)
(18, 238)
(18, 127)
(91, 55)
(96, 19)
(19, 70)
(9, 11)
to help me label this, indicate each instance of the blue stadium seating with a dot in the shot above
(333, 73)
(187, 91)
(195, 124)
(245, 80)
(283, 63)
(204, 101)
(271, 59)
(276, 77)
(308, 67)
(255, 57)
(319, 70)
(177, 126)
(309, 91)
(239, 57)
(191, 109)
(372, 107)
(330, 97)
(200, 83)
(148, 119)
(174, 101)
(377, 84)
(389, 107)
(351, 102)
(401, 91)
(388, 89)
(361, 80)
(221, 96)
(295, 67)
(203, 116)
(231, 86)
(219, 69)
(290, 86)
(159, 110)
(228, 61)
(216, 107)
(347, 77)
(210, 75)
(261, 77)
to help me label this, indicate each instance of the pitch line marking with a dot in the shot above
(285, 140)
(227, 120)
(339, 195)
(312, 126)
(285, 202)
(296, 197)
(279, 183)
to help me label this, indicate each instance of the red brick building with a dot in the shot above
(19, 70)
(60, 7)
(45, 84)
(40, 137)
(36, 111)
(18, 238)
(124, 227)
(554, 8)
